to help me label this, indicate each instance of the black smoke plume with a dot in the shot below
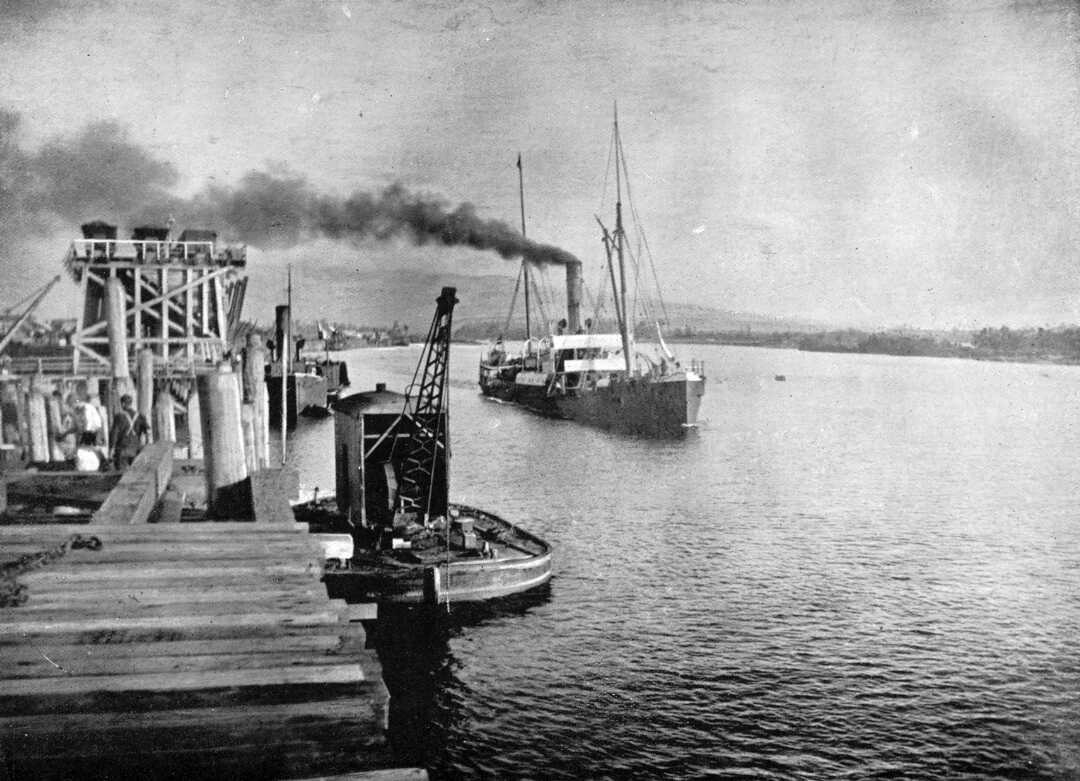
(99, 173)
(424, 219)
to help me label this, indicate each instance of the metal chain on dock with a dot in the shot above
(13, 593)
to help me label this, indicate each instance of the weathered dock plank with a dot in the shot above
(184, 531)
(238, 722)
(140, 487)
(58, 611)
(271, 490)
(90, 572)
(51, 667)
(192, 624)
(194, 592)
(217, 580)
(69, 654)
(258, 759)
(174, 550)
(193, 680)
(211, 647)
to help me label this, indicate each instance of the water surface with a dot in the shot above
(867, 571)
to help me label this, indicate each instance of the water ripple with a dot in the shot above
(868, 573)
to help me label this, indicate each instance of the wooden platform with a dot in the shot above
(184, 650)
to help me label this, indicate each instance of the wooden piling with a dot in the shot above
(16, 431)
(164, 418)
(247, 423)
(9, 398)
(116, 325)
(228, 492)
(264, 428)
(253, 371)
(56, 428)
(255, 382)
(194, 422)
(39, 426)
(145, 400)
(22, 414)
(93, 398)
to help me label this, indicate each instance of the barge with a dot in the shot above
(410, 544)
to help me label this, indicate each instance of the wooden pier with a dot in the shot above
(184, 650)
(195, 638)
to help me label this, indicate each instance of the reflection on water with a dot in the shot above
(419, 669)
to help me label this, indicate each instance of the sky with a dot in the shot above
(856, 163)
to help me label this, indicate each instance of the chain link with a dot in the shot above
(13, 593)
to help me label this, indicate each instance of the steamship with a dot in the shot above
(599, 379)
(310, 384)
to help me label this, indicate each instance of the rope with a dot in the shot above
(13, 593)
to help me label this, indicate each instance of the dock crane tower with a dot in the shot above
(424, 466)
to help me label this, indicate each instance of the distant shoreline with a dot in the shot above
(1058, 346)
(889, 344)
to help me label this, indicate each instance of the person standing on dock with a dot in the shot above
(87, 422)
(130, 432)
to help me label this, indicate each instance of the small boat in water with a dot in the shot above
(309, 385)
(488, 557)
(600, 379)
(409, 543)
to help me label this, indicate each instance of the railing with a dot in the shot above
(152, 251)
(58, 366)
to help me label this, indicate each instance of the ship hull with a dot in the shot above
(306, 395)
(654, 407)
(523, 563)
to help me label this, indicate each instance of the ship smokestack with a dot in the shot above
(573, 295)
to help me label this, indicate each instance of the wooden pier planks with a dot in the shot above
(271, 490)
(207, 647)
(140, 487)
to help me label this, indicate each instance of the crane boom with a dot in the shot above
(26, 315)
(424, 469)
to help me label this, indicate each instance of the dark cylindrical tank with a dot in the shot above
(98, 229)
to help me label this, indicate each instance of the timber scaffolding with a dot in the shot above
(171, 307)
(185, 649)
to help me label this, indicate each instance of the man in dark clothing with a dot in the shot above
(129, 433)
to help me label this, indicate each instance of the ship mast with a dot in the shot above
(285, 350)
(524, 261)
(624, 320)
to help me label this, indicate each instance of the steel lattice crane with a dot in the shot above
(424, 467)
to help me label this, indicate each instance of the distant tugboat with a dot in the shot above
(597, 378)
(392, 465)
(309, 385)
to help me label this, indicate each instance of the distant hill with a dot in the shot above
(407, 295)
(378, 298)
